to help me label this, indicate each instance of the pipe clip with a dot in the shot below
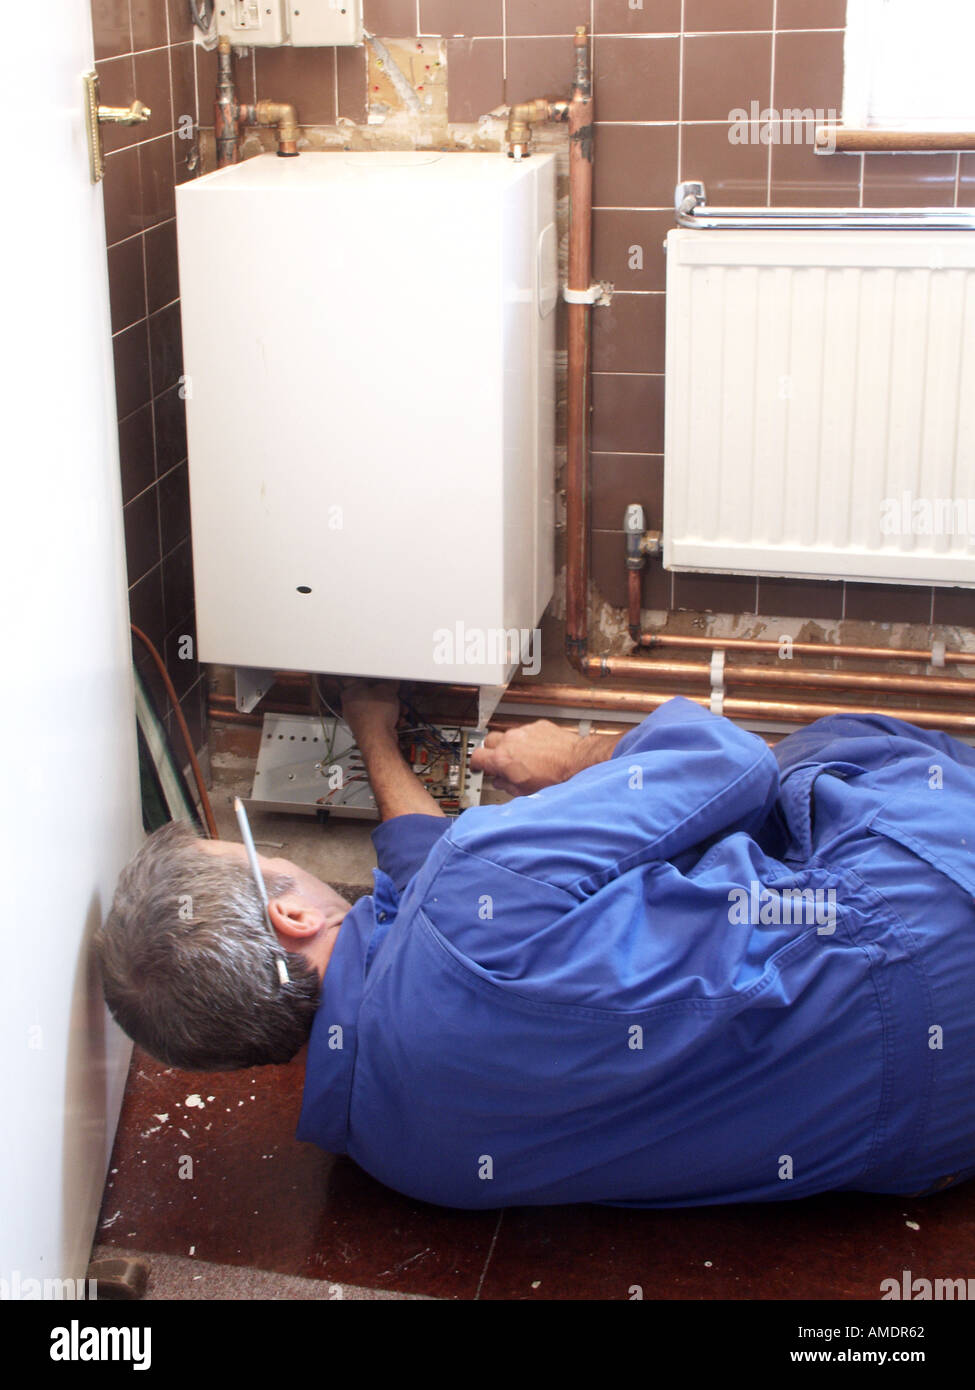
(600, 293)
(717, 682)
(937, 653)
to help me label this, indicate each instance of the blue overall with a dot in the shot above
(699, 972)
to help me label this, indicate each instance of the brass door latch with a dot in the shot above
(136, 114)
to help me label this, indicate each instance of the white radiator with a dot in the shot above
(821, 404)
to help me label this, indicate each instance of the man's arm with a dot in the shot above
(371, 710)
(537, 755)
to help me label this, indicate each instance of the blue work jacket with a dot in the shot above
(699, 972)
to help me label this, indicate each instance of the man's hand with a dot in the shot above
(533, 756)
(370, 708)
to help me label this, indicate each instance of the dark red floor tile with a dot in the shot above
(253, 1195)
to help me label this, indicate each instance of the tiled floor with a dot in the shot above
(206, 1168)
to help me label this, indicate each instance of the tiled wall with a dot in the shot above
(144, 49)
(667, 75)
(668, 72)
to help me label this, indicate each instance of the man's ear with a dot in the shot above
(294, 916)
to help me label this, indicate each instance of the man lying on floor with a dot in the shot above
(676, 969)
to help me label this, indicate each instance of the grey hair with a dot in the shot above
(189, 964)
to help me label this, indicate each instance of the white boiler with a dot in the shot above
(369, 355)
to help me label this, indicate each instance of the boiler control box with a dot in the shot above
(300, 23)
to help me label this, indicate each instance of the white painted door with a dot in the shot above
(70, 806)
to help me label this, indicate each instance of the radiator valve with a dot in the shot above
(639, 542)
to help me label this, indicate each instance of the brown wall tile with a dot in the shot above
(634, 166)
(181, 659)
(136, 455)
(132, 382)
(174, 505)
(538, 68)
(303, 76)
(735, 174)
(122, 194)
(473, 18)
(886, 603)
(724, 73)
(165, 348)
(141, 524)
(181, 27)
(628, 414)
(111, 28)
(637, 78)
(715, 593)
(808, 71)
(727, 14)
(802, 178)
(177, 582)
(150, 28)
(350, 89)
(908, 180)
(169, 415)
(475, 78)
(628, 335)
(162, 272)
(390, 19)
(545, 16)
(146, 609)
(955, 607)
(628, 247)
(811, 14)
(158, 181)
(621, 479)
(152, 87)
(183, 70)
(126, 283)
(656, 17)
(800, 598)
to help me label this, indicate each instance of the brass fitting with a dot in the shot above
(522, 117)
(283, 115)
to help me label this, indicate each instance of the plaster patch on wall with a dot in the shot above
(408, 78)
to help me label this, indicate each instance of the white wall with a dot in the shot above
(70, 812)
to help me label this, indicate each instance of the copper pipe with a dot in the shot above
(226, 117)
(645, 701)
(773, 675)
(634, 579)
(826, 649)
(578, 383)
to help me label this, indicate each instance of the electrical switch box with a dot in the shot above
(253, 23)
(326, 23)
(300, 23)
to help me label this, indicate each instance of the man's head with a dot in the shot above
(189, 963)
